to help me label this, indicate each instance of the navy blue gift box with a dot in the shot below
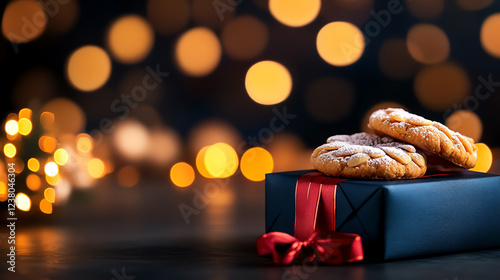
(403, 218)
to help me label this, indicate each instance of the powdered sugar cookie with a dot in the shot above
(362, 155)
(428, 135)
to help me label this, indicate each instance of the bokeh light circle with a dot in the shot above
(96, 168)
(220, 160)
(130, 39)
(9, 150)
(23, 202)
(88, 68)
(340, 43)
(45, 206)
(68, 117)
(131, 139)
(33, 182)
(428, 43)
(467, 123)
(51, 169)
(268, 82)
(256, 163)
(23, 21)
(11, 127)
(489, 35)
(168, 17)
(330, 99)
(198, 52)
(294, 13)
(484, 158)
(244, 37)
(182, 174)
(33, 164)
(128, 176)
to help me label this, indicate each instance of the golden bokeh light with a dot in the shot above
(33, 164)
(182, 174)
(330, 99)
(489, 35)
(212, 13)
(53, 180)
(19, 165)
(220, 160)
(128, 176)
(47, 120)
(428, 43)
(244, 37)
(23, 202)
(200, 163)
(474, 5)
(50, 194)
(256, 163)
(9, 150)
(198, 52)
(395, 61)
(25, 113)
(11, 127)
(211, 131)
(440, 86)
(23, 21)
(96, 168)
(382, 105)
(268, 82)
(4, 193)
(68, 117)
(425, 9)
(33, 182)
(484, 158)
(45, 206)
(130, 39)
(168, 17)
(467, 123)
(165, 146)
(51, 169)
(294, 13)
(47, 143)
(25, 126)
(84, 143)
(61, 156)
(131, 139)
(88, 68)
(340, 43)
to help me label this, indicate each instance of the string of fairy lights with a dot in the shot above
(52, 155)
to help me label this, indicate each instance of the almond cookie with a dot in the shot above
(362, 155)
(428, 135)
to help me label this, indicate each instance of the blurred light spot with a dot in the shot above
(131, 140)
(45, 206)
(268, 82)
(467, 123)
(47, 143)
(50, 194)
(330, 99)
(3, 192)
(68, 116)
(428, 44)
(88, 68)
(128, 176)
(62, 18)
(211, 131)
(286, 150)
(23, 202)
(340, 43)
(84, 143)
(47, 120)
(25, 113)
(19, 165)
(61, 156)
(221, 160)
(255, 163)
(23, 21)
(168, 17)
(182, 174)
(33, 182)
(484, 158)
(200, 163)
(33, 164)
(198, 52)
(244, 37)
(130, 39)
(53, 180)
(51, 169)
(474, 5)
(395, 61)
(381, 105)
(425, 9)
(294, 13)
(354, 11)
(34, 87)
(95, 167)
(489, 35)
(109, 166)
(63, 191)
(440, 86)
(11, 127)
(25, 126)
(165, 146)
(9, 150)
(212, 13)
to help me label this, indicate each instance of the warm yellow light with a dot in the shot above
(11, 127)
(131, 139)
(46, 206)
(47, 120)
(128, 176)
(294, 13)
(221, 160)
(489, 35)
(96, 168)
(9, 150)
(200, 163)
(130, 39)
(467, 123)
(255, 163)
(428, 44)
(50, 194)
(47, 143)
(23, 202)
(33, 164)
(340, 43)
(198, 52)
(88, 68)
(484, 158)
(23, 21)
(268, 82)
(33, 182)
(182, 174)
(25, 113)
(3, 192)
(84, 143)
(51, 169)
(53, 181)
(68, 116)
(61, 156)
(25, 126)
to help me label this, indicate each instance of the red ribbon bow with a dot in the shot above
(315, 194)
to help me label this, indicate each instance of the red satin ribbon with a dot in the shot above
(315, 196)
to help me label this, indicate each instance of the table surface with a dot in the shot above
(139, 233)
